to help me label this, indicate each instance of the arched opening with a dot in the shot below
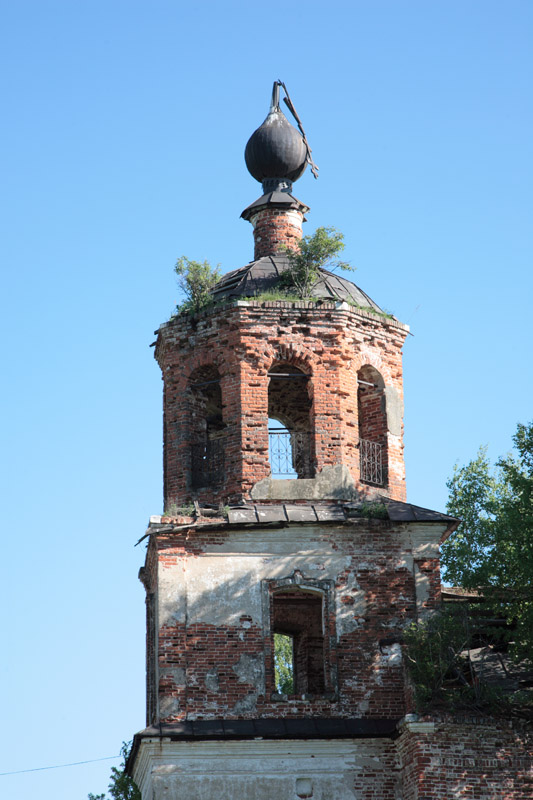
(298, 631)
(206, 427)
(289, 423)
(372, 415)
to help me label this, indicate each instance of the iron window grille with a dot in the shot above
(290, 453)
(371, 462)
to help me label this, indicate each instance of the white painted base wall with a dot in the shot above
(263, 770)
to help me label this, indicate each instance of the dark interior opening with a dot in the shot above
(207, 427)
(299, 614)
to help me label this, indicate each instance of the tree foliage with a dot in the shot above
(315, 252)
(283, 663)
(437, 653)
(493, 547)
(196, 279)
(121, 786)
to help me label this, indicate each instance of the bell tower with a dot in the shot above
(283, 429)
(328, 371)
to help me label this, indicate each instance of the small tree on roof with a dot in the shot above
(315, 252)
(195, 279)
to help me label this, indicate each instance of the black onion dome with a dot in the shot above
(276, 149)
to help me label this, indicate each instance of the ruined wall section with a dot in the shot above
(465, 759)
(214, 616)
(326, 342)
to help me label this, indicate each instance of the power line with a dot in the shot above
(60, 766)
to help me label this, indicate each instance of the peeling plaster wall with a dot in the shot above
(214, 638)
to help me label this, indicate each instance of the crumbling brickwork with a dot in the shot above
(221, 593)
(466, 759)
(241, 342)
(276, 229)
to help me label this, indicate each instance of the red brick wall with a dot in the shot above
(485, 759)
(329, 344)
(275, 229)
(356, 647)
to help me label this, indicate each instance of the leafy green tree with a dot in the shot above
(121, 786)
(438, 661)
(196, 279)
(314, 252)
(492, 549)
(283, 663)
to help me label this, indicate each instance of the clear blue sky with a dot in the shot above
(122, 148)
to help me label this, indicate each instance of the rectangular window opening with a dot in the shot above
(299, 642)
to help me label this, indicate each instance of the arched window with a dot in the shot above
(206, 427)
(372, 426)
(291, 443)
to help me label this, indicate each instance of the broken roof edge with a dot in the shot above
(305, 512)
(319, 305)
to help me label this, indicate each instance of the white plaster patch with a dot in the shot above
(245, 704)
(221, 590)
(211, 680)
(168, 706)
(350, 615)
(422, 586)
(171, 595)
(251, 669)
(177, 675)
(391, 655)
(425, 539)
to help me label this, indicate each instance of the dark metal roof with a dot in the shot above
(396, 511)
(276, 198)
(264, 274)
(407, 512)
(305, 512)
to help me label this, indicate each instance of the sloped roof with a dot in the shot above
(264, 274)
(305, 512)
(395, 511)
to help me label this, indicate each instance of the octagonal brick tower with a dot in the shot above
(328, 373)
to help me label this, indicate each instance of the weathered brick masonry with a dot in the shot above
(334, 346)
(215, 587)
(467, 759)
(276, 228)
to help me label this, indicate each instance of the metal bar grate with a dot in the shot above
(371, 464)
(290, 453)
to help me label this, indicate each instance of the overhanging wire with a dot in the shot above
(60, 766)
